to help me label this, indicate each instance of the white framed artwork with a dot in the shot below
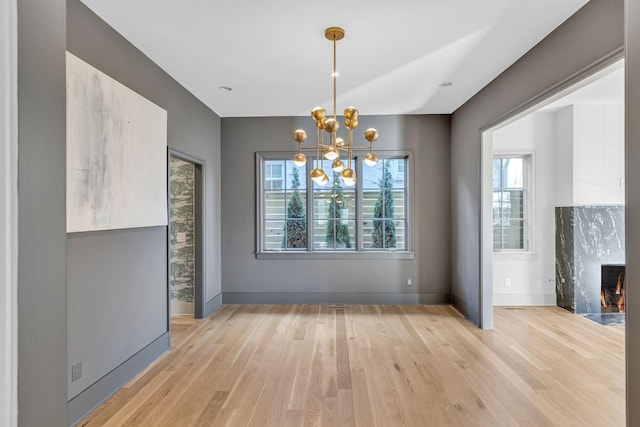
(116, 154)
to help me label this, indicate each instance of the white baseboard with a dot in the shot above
(524, 299)
(180, 308)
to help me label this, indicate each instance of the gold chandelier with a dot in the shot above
(331, 150)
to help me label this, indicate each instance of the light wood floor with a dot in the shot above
(182, 327)
(293, 365)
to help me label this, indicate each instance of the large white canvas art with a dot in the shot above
(116, 154)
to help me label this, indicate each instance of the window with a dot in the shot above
(384, 205)
(297, 215)
(510, 202)
(334, 214)
(273, 175)
(285, 222)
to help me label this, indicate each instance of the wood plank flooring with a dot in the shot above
(182, 326)
(365, 365)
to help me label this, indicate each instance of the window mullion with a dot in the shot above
(359, 204)
(501, 203)
(384, 206)
(285, 194)
(310, 204)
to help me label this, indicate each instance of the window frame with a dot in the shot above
(358, 252)
(529, 200)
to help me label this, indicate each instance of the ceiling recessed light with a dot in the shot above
(225, 88)
(446, 84)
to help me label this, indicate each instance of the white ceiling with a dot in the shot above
(607, 87)
(275, 57)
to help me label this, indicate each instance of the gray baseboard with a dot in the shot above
(471, 313)
(96, 393)
(332, 298)
(212, 305)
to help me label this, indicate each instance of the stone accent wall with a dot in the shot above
(586, 238)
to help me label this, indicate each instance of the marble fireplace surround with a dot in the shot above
(587, 237)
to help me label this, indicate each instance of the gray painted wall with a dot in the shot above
(566, 51)
(247, 279)
(100, 279)
(192, 129)
(632, 200)
(42, 298)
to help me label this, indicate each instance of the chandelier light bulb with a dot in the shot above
(370, 159)
(299, 159)
(331, 125)
(330, 153)
(337, 165)
(371, 134)
(318, 113)
(349, 182)
(324, 181)
(299, 135)
(317, 175)
(348, 177)
(351, 113)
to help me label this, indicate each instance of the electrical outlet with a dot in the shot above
(507, 282)
(409, 281)
(76, 371)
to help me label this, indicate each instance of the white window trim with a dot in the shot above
(359, 252)
(8, 216)
(529, 179)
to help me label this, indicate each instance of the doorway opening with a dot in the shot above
(564, 149)
(185, 235)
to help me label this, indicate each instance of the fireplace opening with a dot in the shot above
(612, 288)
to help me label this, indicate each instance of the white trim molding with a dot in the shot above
(8, 215)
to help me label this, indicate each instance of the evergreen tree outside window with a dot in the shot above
(384, 227)
(334, 214)
(296, 224)
(337, 230)
(385, 205)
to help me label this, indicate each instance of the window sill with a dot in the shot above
(506, 255)
(346, 255)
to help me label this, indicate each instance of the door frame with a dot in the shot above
(8, 214)
(200, 231)
(566, 86)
